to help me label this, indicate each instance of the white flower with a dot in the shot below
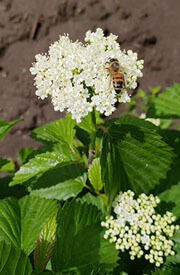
(125, 97)
(145, 239)
(74, 74)
(139, 229)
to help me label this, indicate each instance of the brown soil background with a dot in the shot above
(27, 27)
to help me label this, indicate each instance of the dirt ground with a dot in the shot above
(28, 27)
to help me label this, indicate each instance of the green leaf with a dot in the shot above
(37, 166)
(7, 165)
(17, 191)
(169, 188)
(46, 273)
(94, 174)
(50, 177)
(166, 270)
(62, 149)
(35, 212)
(133, 157)
(13, 261)
(61, 131)
(128, 120)
(154, 90)
(140, 93)
(5, 126)
(165, 123)
(90, 199)
(45, 245)
(63, 190)
(10, 229)
(69, 153)
(172, 138)
(23, 154)
(21, 221)
(82, 135)
(86, 122)
(171, 196)
(3, 162)
(108, 255)
(166, 104)
(60, 173)
(79, 239)
(176, 258)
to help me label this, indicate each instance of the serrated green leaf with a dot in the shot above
(90, 199)
(10, 229)
(62, 149)
(172, 138)
(63, 190)
(86, 122)
(46, 273)
(128, 120)
(35, 212)
(23, 154)
(37, 166)
(108, 255)
(60, 173)
(171, 196)
(168, 188)
(166, 104)
(21, 221)
(176, 258)
(13, 261)
(166, 270)
(5, 126)
(94, 174)
(82, 135)
(69, 153)
(133, 157)
(45, 245)
(61, 131)
(79, 239)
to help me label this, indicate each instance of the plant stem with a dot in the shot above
(91, 189)
(73, 151)
(94, 129)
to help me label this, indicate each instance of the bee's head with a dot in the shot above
(113, 63)
(113, 60)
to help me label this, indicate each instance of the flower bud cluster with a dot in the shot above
(74, 74)
(139, 229)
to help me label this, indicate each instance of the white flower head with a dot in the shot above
(137, 227)
(74, 75)
(145, 239)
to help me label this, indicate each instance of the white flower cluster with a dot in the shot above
(139, 229)
(75, 77)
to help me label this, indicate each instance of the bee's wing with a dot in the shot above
(125, 82)
(110, 81)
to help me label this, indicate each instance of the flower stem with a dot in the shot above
(94, 129)
(74, 152)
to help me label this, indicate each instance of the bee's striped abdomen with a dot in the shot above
(118, 82)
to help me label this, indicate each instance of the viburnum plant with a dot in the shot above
(97, 197)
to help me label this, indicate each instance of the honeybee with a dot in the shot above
(116, 75)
